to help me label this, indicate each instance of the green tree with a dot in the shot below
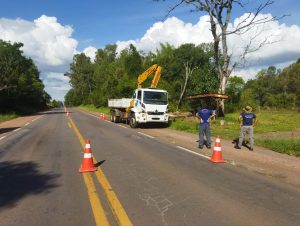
(81, 78)
(234, 88)
(20, 86)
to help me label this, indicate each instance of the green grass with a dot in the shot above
(93, 108)
(7, 117)
(287, 146)
(268, 121)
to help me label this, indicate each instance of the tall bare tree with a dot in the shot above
(220, 12)
(188, 72)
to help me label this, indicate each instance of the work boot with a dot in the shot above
(237, 147)
(201, 147)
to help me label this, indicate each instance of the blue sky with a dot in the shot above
(80, 24)
(99, 22)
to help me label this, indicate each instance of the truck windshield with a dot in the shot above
(152, 97)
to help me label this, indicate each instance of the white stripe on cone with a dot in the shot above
(87, 155)
(217, 148)
(87, 145)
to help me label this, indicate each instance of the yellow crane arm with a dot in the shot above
(142, 77)
(156, 77)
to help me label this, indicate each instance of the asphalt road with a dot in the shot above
(155, 182)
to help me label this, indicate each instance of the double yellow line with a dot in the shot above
(99, 214)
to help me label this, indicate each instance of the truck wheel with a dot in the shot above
(133, 123)
(112, 117)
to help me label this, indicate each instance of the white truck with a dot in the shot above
(147, 104)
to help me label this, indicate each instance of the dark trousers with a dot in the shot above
(204, 130)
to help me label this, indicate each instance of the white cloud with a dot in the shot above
(173, 31)
(283, 50)
(47, 42)
(51, 46)
(90, 52)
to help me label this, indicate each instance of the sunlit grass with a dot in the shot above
(95, 109)
(7, 117)
(287, 146)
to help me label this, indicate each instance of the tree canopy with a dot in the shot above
(115, 76)
(21, 89)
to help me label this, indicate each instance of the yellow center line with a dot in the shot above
(114, 203)
(98, 211)
(99, 214)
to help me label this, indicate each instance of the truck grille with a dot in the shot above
(154, 113)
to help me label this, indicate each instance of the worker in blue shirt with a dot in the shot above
(247, 121)
(204, 127)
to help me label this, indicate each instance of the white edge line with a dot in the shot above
(27, 124)
(2, 137)
(123, 126)
(37, 118)
(146, 135)
(17, 129)
(195, 153)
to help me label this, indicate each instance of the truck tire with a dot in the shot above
(112, 117)
(132, 122)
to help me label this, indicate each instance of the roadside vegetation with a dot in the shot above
(92, 108)
(276, 130)
(6, 117)
(22, 91)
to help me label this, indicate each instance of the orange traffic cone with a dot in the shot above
(217, 152)
(101, 116)
(87, 161)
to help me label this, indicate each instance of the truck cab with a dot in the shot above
(149, 105)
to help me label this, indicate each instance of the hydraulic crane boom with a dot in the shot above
(142, 77)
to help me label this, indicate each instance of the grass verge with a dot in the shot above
(287, 146)
(6, 117)
(95, 109)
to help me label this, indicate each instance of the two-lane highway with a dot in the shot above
(153, 182)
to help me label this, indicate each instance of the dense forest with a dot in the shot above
(21, 89)
(114, 75)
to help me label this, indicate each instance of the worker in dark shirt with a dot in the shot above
(204, 127)
(247, 121)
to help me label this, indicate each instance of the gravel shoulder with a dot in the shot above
(266, 162)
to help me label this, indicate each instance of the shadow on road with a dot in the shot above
(20, 179)
(245, 143)
(8, 129)
(53, 112)
(153, 125)
(99, 163)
